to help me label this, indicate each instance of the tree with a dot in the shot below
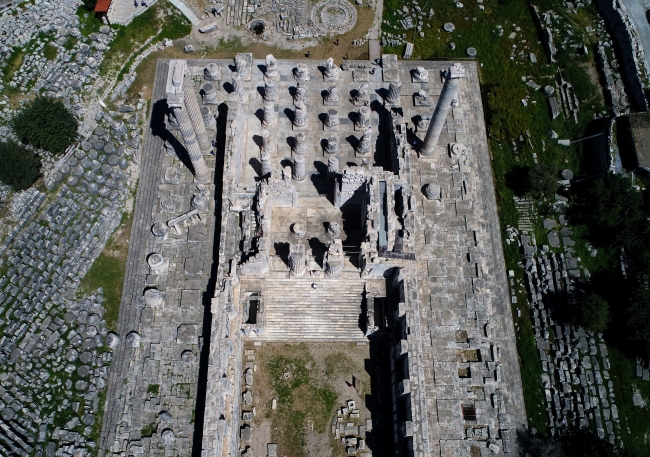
(638, 315)
(613, 212)
(592, 313)
(541, 180)
(45, 123)
(20, 168)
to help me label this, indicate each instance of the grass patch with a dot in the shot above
(108, 272)
(152, 23)
(88, 22)
(504, 68)
(12, 64)
(50, 51)
(635, 421)
(308, 382)
(153, 390)
(531, 369)
(149, 430)
(99, 416)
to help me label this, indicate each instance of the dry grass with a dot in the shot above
(314, 386)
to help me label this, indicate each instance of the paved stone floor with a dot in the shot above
(170, 335)
(459, 340)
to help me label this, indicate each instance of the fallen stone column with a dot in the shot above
(191, 144)
(194, 112)
(449, 89)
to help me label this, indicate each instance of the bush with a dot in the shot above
(46, 123)
(592, 313)
(541, 180)
(20, 167)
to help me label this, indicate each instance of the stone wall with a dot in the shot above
(630, 50)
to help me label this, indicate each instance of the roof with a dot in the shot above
(102, 6)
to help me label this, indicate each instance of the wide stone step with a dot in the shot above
(294, 311)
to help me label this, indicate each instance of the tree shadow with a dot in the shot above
(258, 140)
(206, 299)
(282, 251)
(382, 92)
(320, 182)
(159, 129)
(353, 141)
(516, 179)
(259, 114)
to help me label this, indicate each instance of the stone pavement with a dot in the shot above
(153, 382)
(448, 309)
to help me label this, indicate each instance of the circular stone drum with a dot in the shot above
(156, 261)
(334, 17)
(159, 229)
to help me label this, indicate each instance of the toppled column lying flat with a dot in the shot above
(448, 94)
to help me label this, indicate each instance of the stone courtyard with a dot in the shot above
(343, 204)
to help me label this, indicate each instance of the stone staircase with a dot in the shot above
(186, 11)
(296, 312)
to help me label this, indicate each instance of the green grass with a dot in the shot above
(298, 376)
(293, 394)
(88, 22)
(153, 390)
(635, 421)
(50, 51)
(108, 272)
(502, 90)
(149, 430)
(99, 416)
(152, 23)
(12, 64)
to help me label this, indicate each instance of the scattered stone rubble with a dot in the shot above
(346, 428)
(577, 386)
(73, 71)
(54, 349)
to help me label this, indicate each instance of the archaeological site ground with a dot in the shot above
(359, 303)
(298, 228)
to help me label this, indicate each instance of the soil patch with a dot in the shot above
(309, 384)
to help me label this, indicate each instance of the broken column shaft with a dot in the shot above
(191, 143)
(449, 89)
(194, 112)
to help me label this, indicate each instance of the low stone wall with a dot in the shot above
(630, 50)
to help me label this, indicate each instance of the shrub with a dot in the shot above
(541, 180)
(20, 167)
(592, 312)
(45, 123)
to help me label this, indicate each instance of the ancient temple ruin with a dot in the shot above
(357, 205)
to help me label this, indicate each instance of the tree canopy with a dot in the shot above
(615, 216)
(20, 167)
(541, 180)
(46, 124)
(592, 312)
